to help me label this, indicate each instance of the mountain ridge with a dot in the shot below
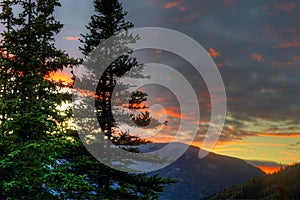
(280, 185)
(200, 178)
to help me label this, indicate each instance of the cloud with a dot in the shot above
(280, 135)
(257, 57)
(287, 6)
(261, 94)
(294, 146)
(213, 53)
(171, 112)
(294, 43)
(72, 38)
(232, 131)
(178, 4)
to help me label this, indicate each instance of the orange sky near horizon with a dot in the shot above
(62, 76)
(269, 169)
(263, 146)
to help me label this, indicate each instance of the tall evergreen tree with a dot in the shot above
(108, 21)
(30, 56)
(33, 132)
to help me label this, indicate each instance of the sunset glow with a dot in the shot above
(257, 56)
(62, 76)
(269, 169)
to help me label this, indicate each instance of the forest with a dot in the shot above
(280, 185)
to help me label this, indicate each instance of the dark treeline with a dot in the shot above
(280, 185)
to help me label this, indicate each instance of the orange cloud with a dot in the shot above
(171, 112)
(280, 135)
(294, 43)
(160, 99)
(287, 7)
(257, 57)
(72, 38)
(174, 112)
(221, 144)
(213, 53)
(178, 4)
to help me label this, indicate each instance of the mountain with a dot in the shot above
(284, 184)
(200, 178)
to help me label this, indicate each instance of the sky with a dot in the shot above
(256, 46)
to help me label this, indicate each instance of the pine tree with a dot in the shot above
(108, 21)
(34, 140)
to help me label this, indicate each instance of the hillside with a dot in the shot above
(203, 177)
(284, 184)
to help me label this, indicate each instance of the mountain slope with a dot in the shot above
(284, 184)
(199, 178)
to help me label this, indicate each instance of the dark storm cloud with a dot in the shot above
(258, 43)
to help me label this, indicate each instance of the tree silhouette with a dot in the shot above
(107, 22)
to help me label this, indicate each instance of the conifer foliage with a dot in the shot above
(33, 129)
(283, 184)
(109, 21)
(41, 157)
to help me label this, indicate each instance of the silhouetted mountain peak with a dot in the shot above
(199, 178)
